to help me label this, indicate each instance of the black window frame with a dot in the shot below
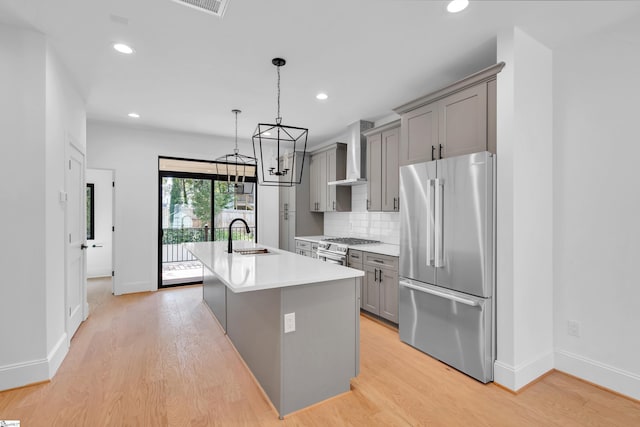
(91, 207)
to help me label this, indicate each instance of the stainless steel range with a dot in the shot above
(335, 249)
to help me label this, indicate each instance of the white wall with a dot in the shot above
(99, 260)
(524, 211)
(22, 178)
(597, 208)
(39, 109)
(132, 153)
(65, 121)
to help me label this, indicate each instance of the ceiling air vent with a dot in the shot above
(213, 7)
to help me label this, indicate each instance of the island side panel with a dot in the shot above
(320, 356)
(253, 325)
(214, 293)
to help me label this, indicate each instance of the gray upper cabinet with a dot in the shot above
(382, 167)
(329, 165)
(458, 119)
(294, 216)
(462, 123)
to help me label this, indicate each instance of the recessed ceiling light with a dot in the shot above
(134, 115)
(456, 6)
(322, 96)
(123, 48)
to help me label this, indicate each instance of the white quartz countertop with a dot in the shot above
(277, 269)
(376, 248)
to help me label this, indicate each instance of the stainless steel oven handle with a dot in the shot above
(331, 256)
(440, 294)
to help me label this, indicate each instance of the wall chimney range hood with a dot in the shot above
(356, 154)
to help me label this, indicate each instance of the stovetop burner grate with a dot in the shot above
(350, 240)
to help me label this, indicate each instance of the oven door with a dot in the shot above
(331, 257)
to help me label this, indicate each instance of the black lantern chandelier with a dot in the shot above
(279, 149)
(237, 167)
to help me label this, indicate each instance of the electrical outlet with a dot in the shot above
(573, 328)
(289, 323)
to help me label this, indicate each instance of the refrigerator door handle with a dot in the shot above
(429, 222)
(440, 294)
(439, 259)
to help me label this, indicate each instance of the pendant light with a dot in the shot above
(279, 149)
(237, 167)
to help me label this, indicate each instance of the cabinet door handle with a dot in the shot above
(380, 276)
(368, 204)
(334, 205)
(398, 207)
(440, 152)
(375, 279)
(394, 203)
(433, 151)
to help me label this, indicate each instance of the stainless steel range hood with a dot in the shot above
(356, 154)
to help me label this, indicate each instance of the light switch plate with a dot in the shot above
(289, 323)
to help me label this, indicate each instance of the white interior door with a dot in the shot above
(99, 252)
(76, 241)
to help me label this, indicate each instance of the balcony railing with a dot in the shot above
(173, 249)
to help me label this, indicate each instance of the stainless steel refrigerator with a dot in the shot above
(447, 261)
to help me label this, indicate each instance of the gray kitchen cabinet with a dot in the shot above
(294, 217)
(306, 248)
(355, 261)
(455, 120)
(328, 165)
(383, 192)
(380, 286)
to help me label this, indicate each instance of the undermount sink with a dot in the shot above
(252, 251)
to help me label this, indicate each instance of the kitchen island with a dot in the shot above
(294, 320)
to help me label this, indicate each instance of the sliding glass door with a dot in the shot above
(198, 207)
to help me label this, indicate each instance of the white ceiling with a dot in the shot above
(191, 69)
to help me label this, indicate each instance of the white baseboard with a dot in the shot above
(34, 371)
(21, 374)
(615, 379)
(133, 287)
(514, 378)
(57, 354)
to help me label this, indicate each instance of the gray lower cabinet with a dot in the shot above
(379, 293)
(306, 248)
(355, 261)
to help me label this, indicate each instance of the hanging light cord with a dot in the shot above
(235, 150)
(278, 119)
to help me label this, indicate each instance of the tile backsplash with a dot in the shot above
(383, 226)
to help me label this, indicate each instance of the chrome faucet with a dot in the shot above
(229, 244)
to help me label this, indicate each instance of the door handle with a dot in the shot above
(440, 152)
(439, 249)
(334, 205)
(380, 276)
(83, 246)
(440, 294)
(96, 246)
(375, 279)
(433, 151)
(430, 220)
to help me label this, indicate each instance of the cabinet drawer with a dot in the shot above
(303, 244)
(314, 246)
(355, 259)
(382, 261)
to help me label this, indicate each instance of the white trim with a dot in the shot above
(57, 354)
(133, 287)
(604, 375)
(514, 378)
(21, 374)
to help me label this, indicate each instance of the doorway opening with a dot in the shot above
(197, 202)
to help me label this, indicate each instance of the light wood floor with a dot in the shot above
(159, 359)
